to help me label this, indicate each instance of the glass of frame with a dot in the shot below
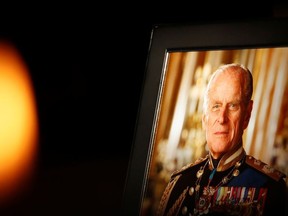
(181, 58)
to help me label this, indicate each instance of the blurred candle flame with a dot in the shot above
(18, 123)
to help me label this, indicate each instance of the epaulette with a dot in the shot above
(177, 172)
(264, 168)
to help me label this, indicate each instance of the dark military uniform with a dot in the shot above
(239, 185)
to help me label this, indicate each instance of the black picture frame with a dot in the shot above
(166, 38)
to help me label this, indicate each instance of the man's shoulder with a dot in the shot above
(190, 166)
(264, 168)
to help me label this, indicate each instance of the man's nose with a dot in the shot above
(222, 116)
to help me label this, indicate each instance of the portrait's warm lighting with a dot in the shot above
(18, 123)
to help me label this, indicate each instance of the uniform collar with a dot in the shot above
(229, 159)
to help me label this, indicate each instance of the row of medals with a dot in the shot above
(204, 203)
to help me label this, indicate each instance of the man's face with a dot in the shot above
(227, 116)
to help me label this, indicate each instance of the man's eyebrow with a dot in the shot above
(238, 101)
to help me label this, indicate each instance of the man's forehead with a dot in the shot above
(228, 98)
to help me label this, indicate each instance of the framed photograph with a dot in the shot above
(181, 59)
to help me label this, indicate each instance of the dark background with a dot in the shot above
(87, 64)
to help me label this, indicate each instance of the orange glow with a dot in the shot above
(18, 123)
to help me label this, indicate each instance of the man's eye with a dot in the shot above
(233, 106)
(215, 107)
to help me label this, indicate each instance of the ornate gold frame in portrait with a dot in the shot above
(169, 132)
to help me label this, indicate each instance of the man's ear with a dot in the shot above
(204, 121)
(248, 114)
